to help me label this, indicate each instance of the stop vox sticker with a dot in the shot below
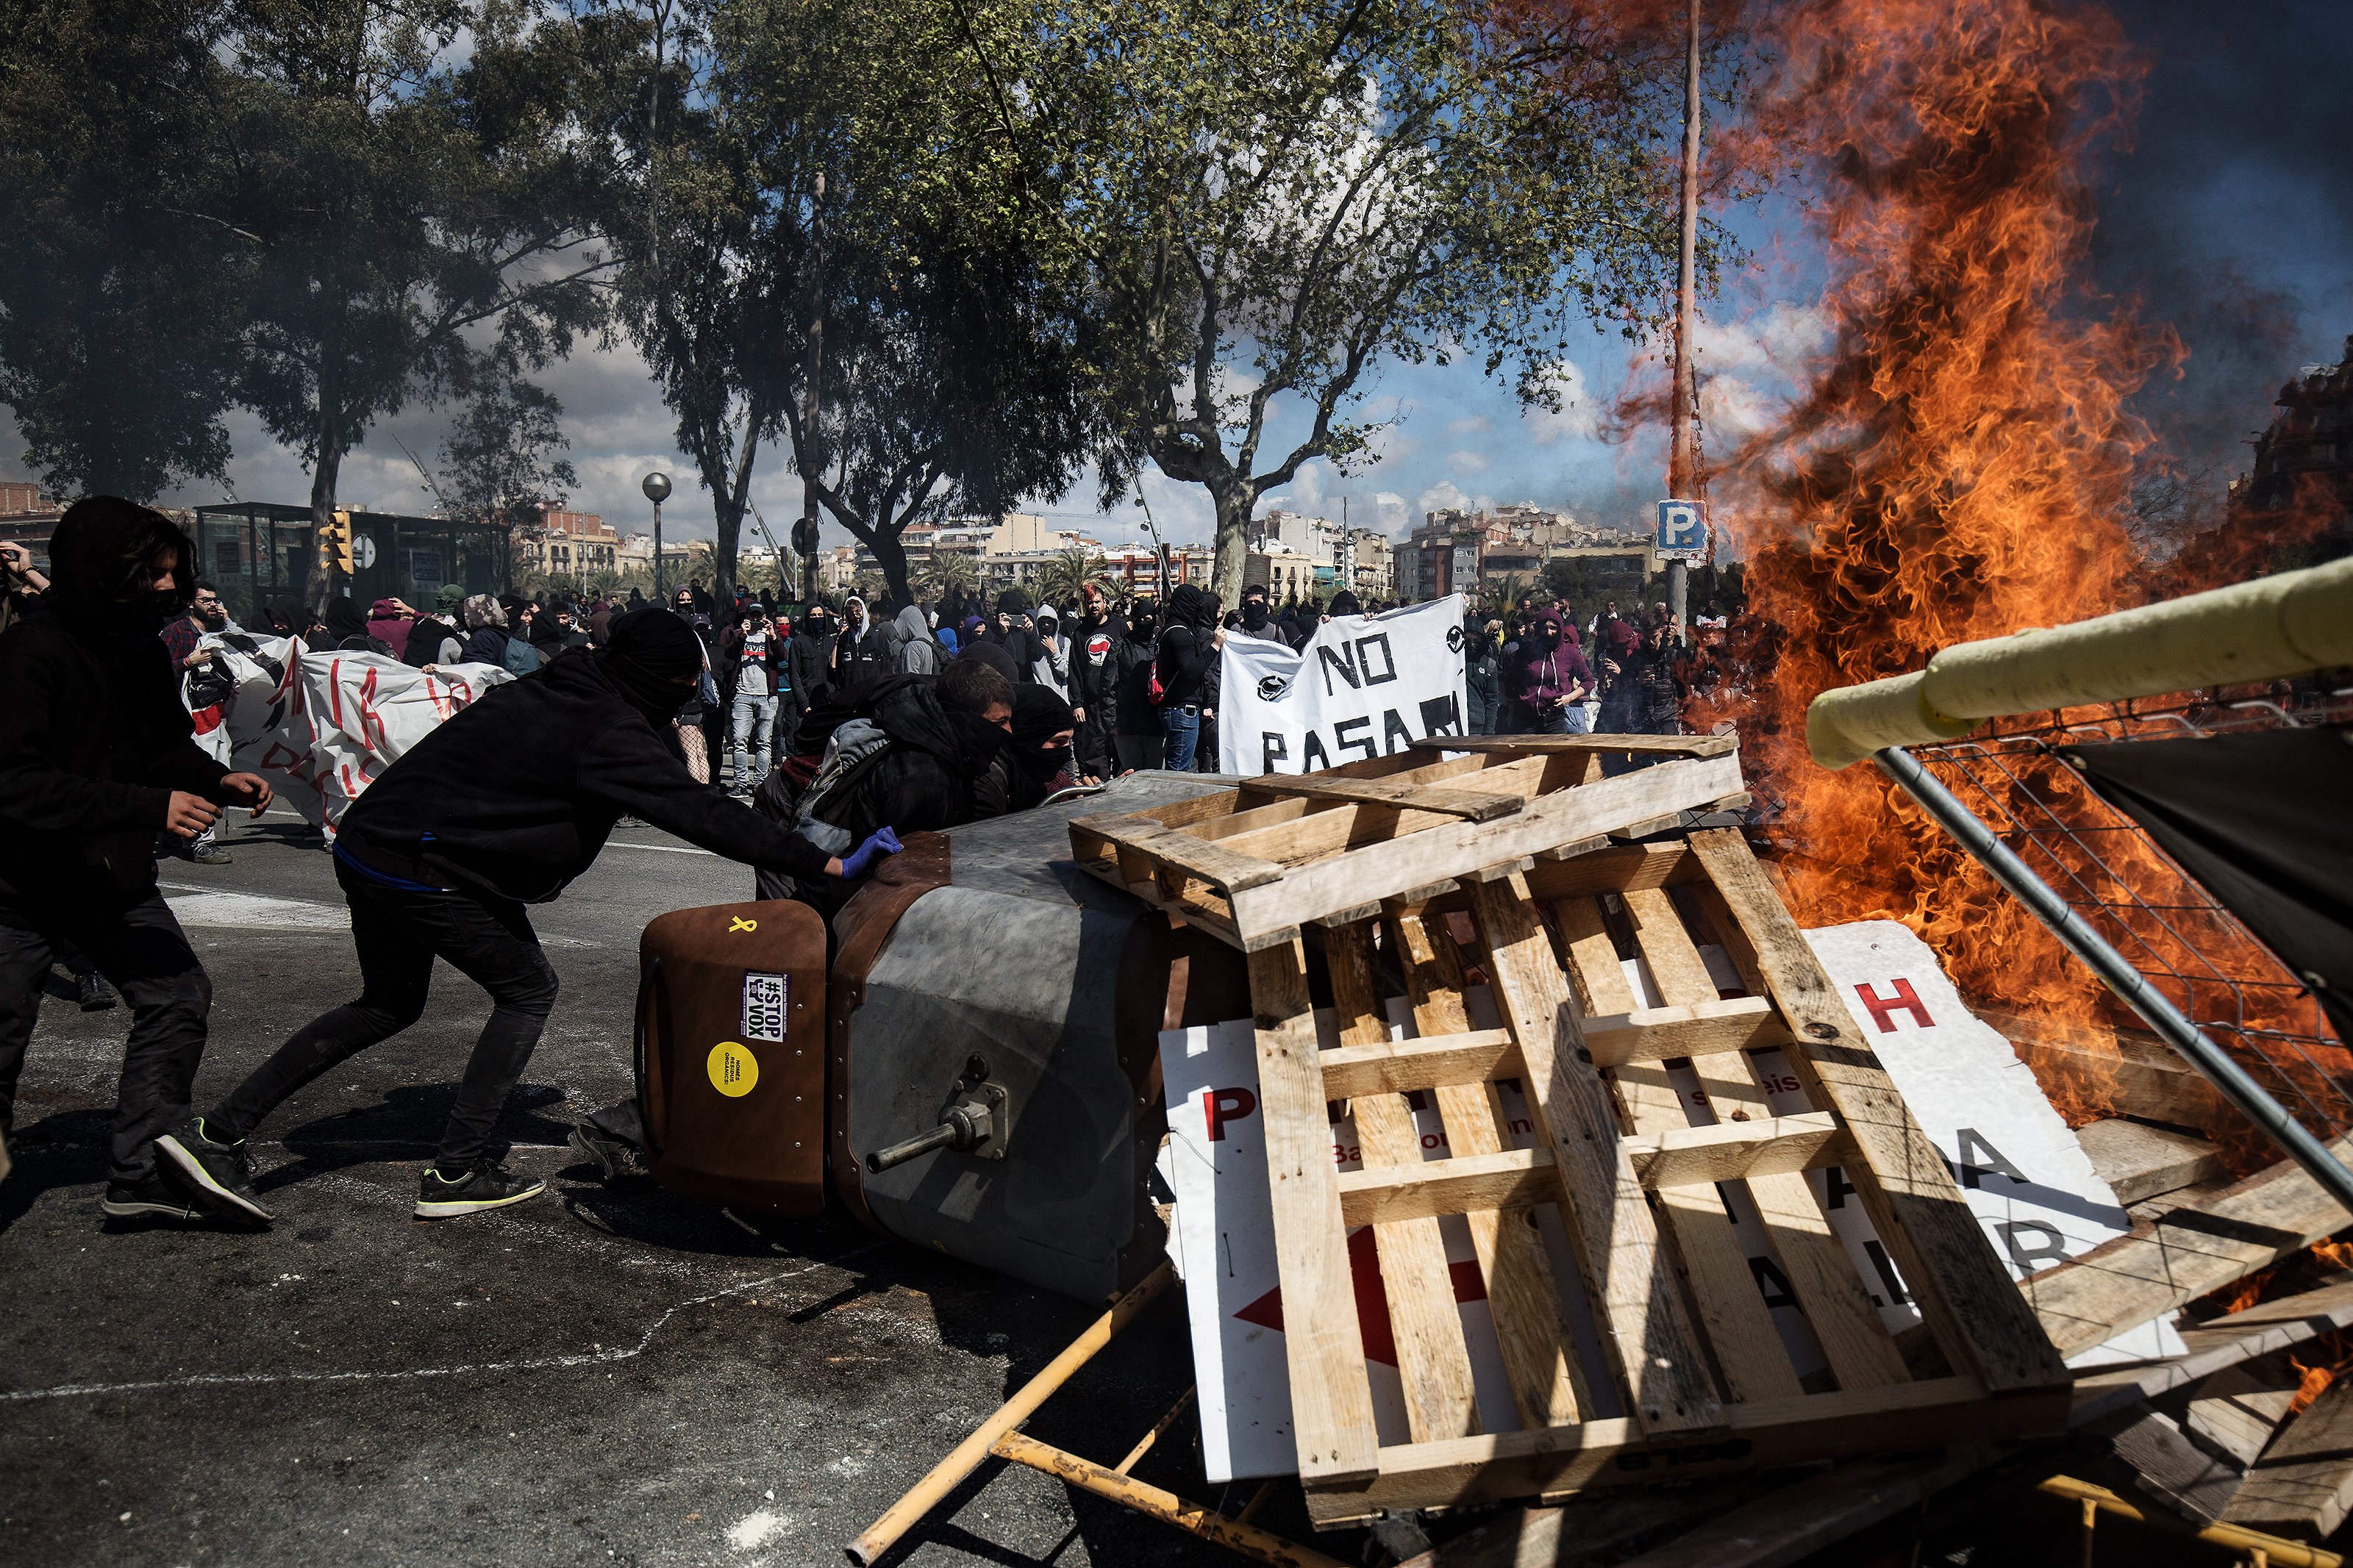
(733, 1070)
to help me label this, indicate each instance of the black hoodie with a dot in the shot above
(515, 795)
(93, 735)
(1185, 646)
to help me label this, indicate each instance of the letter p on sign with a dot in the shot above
(1220, 1105)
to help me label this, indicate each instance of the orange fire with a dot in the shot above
(1960, 466)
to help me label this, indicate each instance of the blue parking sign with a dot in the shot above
(1683, 529)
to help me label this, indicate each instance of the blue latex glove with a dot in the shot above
(861, 860)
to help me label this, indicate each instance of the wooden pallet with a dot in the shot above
(1254, 865)
(1691, 1356)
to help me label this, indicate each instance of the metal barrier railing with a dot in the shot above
(2147, 929)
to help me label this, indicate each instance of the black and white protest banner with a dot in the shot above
(1363, 687)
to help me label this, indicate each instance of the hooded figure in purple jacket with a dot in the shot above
(1550, 679)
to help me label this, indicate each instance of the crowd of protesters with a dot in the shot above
(1618, 674)
(800, 739)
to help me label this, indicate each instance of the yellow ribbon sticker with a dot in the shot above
(738, 922)
(733, 1069)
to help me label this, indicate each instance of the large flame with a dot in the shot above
(1961, 464)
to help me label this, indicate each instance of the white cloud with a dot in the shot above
(1576, 419)
(1444, 495)
(1470, 425)
(1464, 461)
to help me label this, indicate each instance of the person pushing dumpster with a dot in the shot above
(501, 807)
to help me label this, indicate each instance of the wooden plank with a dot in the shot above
(1637, 1305)
(1455, 848)
(1331, 1398)
(2226, 1342)
(1515, 1178)
(1976, 1314)
(1702, 1029)
(1532, 745)
(1433, 1364)
(2154, 1269)
(1819, 1271)
(1749, 1354)
(1431, 798)
(2127, 1072)
(1465, 1471)
(1613, 871)
(2238, 1410)
(2303, 1486)
(1396, 1067)
(1738, 1150)
(2140, 1162)
(1205, 858)
(1800, 1519)
(1310, 829)
(2172, 1467)
(1531, 1328)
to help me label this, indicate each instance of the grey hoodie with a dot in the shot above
(911, 638)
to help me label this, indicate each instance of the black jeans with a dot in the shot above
(399, 933)
(142, 950)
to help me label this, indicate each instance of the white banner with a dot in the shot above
(319, 726)
(1365, 686)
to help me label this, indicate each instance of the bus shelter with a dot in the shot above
(254, 551)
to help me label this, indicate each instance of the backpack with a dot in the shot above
(853, 748)
(520, 656)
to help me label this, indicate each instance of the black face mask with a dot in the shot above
(1254, 614)
(1042, 765)
(657, 697)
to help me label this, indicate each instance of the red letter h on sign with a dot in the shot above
(1885, 1008)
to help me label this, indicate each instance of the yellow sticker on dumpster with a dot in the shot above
(733, 1070)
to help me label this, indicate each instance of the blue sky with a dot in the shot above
(2230, 215)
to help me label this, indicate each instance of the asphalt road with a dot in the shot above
(590, 1378)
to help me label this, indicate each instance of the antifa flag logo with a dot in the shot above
(1454, 640)
(1271, 688)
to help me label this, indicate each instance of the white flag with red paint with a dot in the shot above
(321, 726)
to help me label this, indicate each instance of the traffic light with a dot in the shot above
(335, 543)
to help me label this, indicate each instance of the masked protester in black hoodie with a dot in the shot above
(1136, 739)
(1189, 643)
(501, 806)
(95, 759)
(1043, 727)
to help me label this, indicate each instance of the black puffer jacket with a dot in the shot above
(93, 740)
(517, 795)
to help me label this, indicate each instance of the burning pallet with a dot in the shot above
(1504, 859)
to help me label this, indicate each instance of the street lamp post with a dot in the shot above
(657, 488)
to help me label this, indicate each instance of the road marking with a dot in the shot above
(658, 849)
(214, 907)
(254, 911)
(535, 1363)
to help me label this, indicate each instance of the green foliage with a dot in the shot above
(500, 461)
(789, 172)
(950, 575)
(1059, 580)
(324, 209)
(1271, 202)
(117, 325)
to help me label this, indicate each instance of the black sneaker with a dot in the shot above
(488, 1185)
(218, 1175)
(619, 1165)
(97, 996)
(150, 1195)
(210, 855)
